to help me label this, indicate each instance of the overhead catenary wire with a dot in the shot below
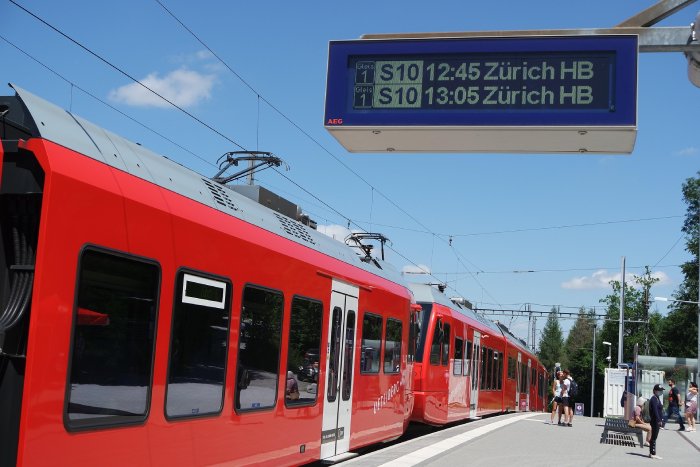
(302, 131)
(88, 93)
(113, 66)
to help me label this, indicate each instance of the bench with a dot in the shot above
(618, 431)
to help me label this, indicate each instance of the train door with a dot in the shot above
(518, 381)
(529, 382)
(476, 376)
(340, 349)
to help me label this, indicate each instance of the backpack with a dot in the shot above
(646, 416)
(573, 388)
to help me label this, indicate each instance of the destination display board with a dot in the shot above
(482, 83)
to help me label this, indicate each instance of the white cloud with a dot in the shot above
(182, 87)
(689, 151)
(601, 280)
(416, 269)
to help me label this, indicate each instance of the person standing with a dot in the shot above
(656, 419)
(556, 401)
(691, 405)
(674, 403)
(572, 391)
(565, 382)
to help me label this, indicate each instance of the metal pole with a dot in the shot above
(622, 315)
(593, 372)
(697, 373)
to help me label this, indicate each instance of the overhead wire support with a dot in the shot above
(257, 158)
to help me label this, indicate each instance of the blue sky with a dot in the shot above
(498, 208)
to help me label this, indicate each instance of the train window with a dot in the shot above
(114, 325)
(436, 344)
(422, 321)
(349, 352)
(484, 368)
(413, 332)
(500, 370)
(198, 347)
(446, 345)
(371, 343)
(491, 371)
(258, 349)
(392, 346)
(468, 360)
(304, 352)
(334, 356)
(459, 346)
(511, 367)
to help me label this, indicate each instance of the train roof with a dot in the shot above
(62, 127)
(428, 293)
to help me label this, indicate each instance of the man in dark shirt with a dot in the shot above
(674, 402)
(656, 419)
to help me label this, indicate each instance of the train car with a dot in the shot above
(150, 316)
(460, 370)
(520, 390)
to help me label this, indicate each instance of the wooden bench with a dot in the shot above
(615, 427)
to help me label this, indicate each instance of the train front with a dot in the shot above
(21, 192)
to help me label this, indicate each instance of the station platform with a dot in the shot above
(524, 439)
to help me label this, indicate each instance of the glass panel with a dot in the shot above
(412, 336)
(113, 335)
(484, 360)
(371, 343)
(468, 360)
(334, 358)
(489, 370)
(304, 353)
(259, 349)
(446, 345)
(349, 352)
(457, 370)
(392, 346)
(511, 367)
(422, 322)
(436, 344)
(500, 370)
(198, 349)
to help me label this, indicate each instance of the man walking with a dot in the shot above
(674, 403)
(656, 419)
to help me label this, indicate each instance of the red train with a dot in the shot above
(150, 316)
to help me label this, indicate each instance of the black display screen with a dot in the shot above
(477, 81)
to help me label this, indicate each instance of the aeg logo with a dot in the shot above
(334, 121)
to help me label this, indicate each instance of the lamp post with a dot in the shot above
(609, 352)
(664, 299)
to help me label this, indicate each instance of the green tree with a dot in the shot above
(578, 352)
(552, 342)
(680, 327)
(640, 327)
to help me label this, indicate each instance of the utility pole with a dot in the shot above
(593, 371)
(621, 326)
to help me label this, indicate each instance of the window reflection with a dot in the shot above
(259, 349)
(371, 343)
(304, 351)
(113, 335)
(198, 347)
